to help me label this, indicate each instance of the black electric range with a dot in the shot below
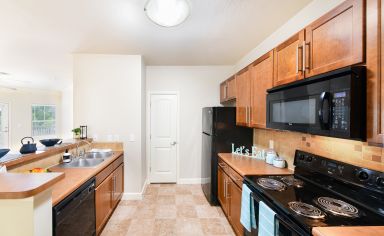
(321, 193)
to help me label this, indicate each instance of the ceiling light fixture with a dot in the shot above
(167, 13)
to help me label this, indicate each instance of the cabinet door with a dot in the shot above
(261, 80)
(235, 207)
(335, 40)
(288, 60)
(222, 189)
(231, 88)
(103, 202)
(118, 184)
(243, 94)
(375, 65)
(223, 92)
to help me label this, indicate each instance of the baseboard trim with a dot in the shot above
(136, 196)
(189, 181)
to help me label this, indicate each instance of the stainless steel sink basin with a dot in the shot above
(98, 155)
(82, 163)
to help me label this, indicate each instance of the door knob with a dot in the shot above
(173, 143)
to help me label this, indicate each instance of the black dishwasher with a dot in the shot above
(75, 215)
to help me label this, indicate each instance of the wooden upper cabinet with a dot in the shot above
(288, 60)
(223, 92)
(261, 74)
(375, 65)
(243, 97)
(228, 90)
(336, 39)
(231, 88)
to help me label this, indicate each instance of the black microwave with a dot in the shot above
(332, 104)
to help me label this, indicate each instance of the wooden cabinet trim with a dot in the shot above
(375, 95)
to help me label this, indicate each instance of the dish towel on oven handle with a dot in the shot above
(247, 217)
(266, 220)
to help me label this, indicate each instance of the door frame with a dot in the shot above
(148, 130)
(9, 122)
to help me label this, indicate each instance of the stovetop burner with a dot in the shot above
(338, 207)
(271, 184)
(292, 181)
(306, 210)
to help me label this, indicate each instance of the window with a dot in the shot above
(43, 120)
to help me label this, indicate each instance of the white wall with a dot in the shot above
(307, 15)
(20, 111)
(108, 98)
(198, 87)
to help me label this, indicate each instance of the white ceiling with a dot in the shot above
(38, 37)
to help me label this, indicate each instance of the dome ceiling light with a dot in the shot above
(167, 13)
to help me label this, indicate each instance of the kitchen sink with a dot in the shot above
(97, 155)
(82, 163)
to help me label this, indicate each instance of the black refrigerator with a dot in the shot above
(218, 134)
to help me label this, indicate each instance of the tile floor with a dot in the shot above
(168, 209)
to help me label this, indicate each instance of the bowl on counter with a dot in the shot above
(4, 151)
(51, 142)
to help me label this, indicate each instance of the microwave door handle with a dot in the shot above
(324, 96)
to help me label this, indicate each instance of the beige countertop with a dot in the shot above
(75, 177)
(250, 166)
(349, 231)
(16, 185)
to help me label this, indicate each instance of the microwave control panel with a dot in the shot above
(340, 111)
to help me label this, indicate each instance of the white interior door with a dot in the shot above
(4, 125)
(163, 138)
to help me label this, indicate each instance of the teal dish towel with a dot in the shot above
(266, 220)
(247, 217)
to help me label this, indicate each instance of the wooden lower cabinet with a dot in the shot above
(103, 202)
(118, 185)
(107, 195)
(235, 207)
(229, 194)
(222, 189)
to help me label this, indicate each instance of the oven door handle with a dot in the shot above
(325, 124)
(288, 226)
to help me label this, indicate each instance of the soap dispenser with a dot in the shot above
(66, 157)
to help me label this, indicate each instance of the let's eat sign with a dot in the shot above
(242, 150)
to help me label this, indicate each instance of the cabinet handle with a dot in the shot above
(298, 68)
(249, 114)
(305, 64)
(222, 165)
(226, 91)
(225, 188)
(228, 196)
(114, 184)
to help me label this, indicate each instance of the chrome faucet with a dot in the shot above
(81, 153)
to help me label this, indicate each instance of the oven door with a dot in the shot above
(307, 108)
(285, 227)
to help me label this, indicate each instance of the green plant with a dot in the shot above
(76, 131)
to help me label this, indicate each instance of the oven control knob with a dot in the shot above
(301, 157)
(380, 182)
(362, 175)
(309, 158)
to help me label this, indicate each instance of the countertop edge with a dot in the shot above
(348, 230)
(29, 192)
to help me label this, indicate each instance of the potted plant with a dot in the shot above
(76, 132)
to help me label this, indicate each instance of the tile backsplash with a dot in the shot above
(349, 151)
